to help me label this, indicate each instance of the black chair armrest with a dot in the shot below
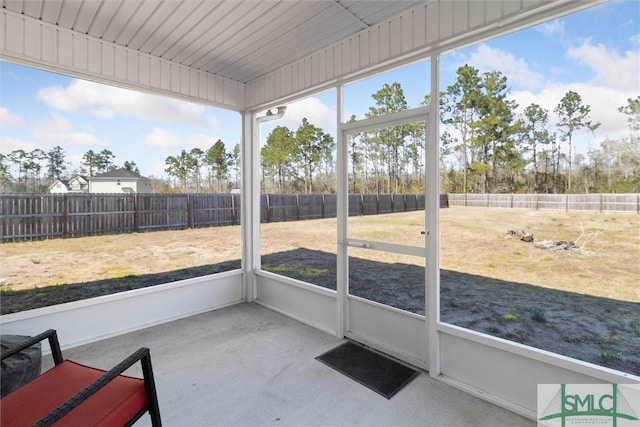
(48, 334)
(142, 355)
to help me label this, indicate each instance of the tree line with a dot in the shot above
(291, 161)
(222, 169)
(491, 149)
(486, 147)
(37, 169)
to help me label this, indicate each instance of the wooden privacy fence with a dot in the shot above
(612, 203)
(50, 216)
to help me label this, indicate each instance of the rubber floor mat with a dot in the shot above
(380, 373)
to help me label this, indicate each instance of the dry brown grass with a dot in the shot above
(29, 265)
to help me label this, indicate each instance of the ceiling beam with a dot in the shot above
(363, 25)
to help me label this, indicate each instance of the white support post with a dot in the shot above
(342, 210)
(251, 195)
(432, 222)
(250, 208)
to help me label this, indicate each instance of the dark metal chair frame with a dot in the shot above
(141, 355)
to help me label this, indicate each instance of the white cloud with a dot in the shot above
(552, 29)
(166, 139)
(313, 109)
(162, 138)
(56, 130)
(158, 169)
(9, 144)
(107, 102)
(7, 118)
(486, 58)
(611, 69)
(603, 101)
(616, 77)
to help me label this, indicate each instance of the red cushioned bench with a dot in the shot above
(71, 394)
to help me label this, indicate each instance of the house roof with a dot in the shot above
(79, 177)
(67, 182)
(64, 182)
(119, 173)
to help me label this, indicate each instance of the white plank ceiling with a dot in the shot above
(236, 39)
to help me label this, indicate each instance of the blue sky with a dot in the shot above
(594, 52)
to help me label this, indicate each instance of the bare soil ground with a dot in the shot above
(584, 305)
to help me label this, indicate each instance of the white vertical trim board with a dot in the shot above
(342, 212)
(247, 211)
(432, 223)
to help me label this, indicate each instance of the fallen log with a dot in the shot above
(521, 234)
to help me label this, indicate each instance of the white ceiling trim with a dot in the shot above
(433, 28)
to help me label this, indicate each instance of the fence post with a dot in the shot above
(136, 220)
(266, 196)
(600, 202)
(189, 211)
(323, 210)
(298, 206)
(233, 209)
(65, 217)
(566, 203)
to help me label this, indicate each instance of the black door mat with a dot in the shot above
(381, 374)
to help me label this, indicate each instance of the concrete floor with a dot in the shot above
(249, 366)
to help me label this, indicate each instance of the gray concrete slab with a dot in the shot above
(249, 366)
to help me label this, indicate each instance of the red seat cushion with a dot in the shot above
(115, 404)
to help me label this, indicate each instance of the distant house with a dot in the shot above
(77, 184)
(119, 181)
